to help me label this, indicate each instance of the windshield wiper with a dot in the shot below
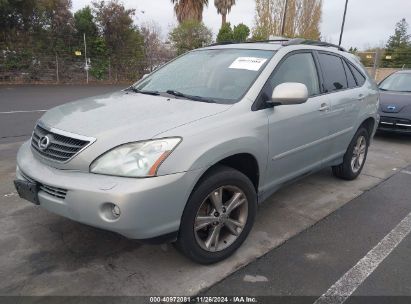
(191, 97)
(135, 90)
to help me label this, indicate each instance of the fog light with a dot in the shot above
(116, 211)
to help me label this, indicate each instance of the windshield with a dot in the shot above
(400, 82)
(222, 76)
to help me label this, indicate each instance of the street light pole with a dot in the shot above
(343, 22)
(284, 18)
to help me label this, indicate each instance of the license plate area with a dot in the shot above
(28, 191)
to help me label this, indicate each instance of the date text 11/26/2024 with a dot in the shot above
(204, 299)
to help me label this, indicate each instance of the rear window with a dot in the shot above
(334, 73)
(358, 76)
(350, 77)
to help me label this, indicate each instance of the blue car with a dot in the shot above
(395, 103)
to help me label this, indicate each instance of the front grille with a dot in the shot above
(51, 190)
(61, 148)
(395, 123)
(54, 191)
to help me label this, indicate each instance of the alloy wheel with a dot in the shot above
(359, 154)
(221, 218)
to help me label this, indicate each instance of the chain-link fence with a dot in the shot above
(16, 67)
(382, 63)
(76, 62)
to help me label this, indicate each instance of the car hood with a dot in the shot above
(125, 116)
(395, 102)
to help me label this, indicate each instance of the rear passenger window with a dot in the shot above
(350, 76)
(334, 74)
(298, 68)
(358, 76)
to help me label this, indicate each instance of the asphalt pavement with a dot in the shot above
(310, 263)
(22, 105)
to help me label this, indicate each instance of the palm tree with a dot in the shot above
(223, 8)
(189, 9)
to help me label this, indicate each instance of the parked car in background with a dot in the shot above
(187, 153)
(395, 103)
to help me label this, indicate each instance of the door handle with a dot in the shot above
(324, 108)
(361, 97)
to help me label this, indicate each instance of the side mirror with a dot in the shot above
(289, 93)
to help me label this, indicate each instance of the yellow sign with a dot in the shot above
(77, 53)
(388, 57)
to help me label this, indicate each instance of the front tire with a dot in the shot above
(355, 157)
(218, 216)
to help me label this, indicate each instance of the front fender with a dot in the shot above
(209, 141)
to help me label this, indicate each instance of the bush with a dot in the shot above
(225, 34)
(190, 35)
(241, 32)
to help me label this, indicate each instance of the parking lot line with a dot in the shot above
(353, 278)
(15, 112)
(406, 172)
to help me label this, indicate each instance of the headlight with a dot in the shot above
(140, 159)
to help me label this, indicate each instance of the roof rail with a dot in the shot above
(287, 42)
(297, 41)
(277, 39)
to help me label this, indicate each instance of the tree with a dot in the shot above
(31, 30)
(155, 51)
(225, 34)
(398, 48)
(401, 38)
(57, 16)
(189, 9)
(223, 8)
(123, 39)
(303, 18)
(241, 32)
(16, 18)
(84, 23)
(190, 35)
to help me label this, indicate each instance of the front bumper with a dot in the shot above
(150, 207)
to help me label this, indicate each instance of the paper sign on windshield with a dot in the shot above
(248, 63)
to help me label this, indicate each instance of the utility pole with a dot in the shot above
(57, 69)
(343, 22)
(284, 18)
(85, 56)
(376, 64)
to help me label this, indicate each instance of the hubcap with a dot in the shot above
(221, 218)
(359, 154)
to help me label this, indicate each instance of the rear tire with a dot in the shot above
(355, 157)
(218, 216)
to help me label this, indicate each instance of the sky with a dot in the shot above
(369, 23)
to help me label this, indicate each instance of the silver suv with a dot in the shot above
(188, 152)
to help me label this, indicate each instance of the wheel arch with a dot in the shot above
(245, 163)
(369, 125)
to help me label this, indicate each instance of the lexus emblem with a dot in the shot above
(391, 108)
(44, 143)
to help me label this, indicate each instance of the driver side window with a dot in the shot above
(300, 68)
